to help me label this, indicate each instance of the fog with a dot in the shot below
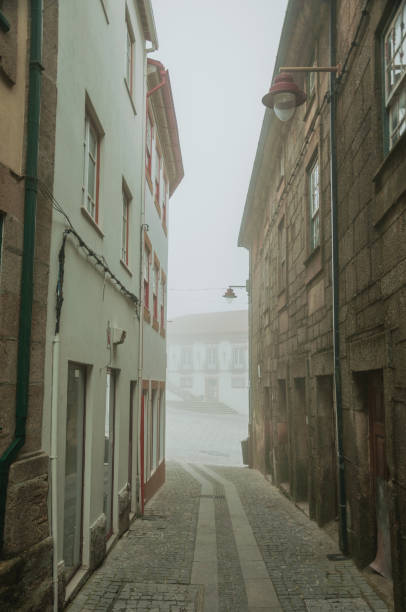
(220, 55)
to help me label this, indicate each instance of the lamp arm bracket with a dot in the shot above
(336, 69)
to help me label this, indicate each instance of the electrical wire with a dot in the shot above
(99, 260)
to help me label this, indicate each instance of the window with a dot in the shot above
(395, 71)
(129, 74)
(155, 287)
(211, 357)
(147, 259)
(109, 416)
(124, 231)
(238, 358)
(186, 357)
(158, 179)
(314, 194)
(74, 467)
(91, 169)
(310, 81)
(148, 152)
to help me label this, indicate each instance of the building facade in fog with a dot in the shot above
(84, 199)
(287, 228)
(208, 358)
(163, 173)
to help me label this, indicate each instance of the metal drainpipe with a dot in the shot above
(27, 273)
(336, 297)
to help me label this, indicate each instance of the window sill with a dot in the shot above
(126, 268)
(130, 96)
(313, 264)
(92, 222)
(147, 315)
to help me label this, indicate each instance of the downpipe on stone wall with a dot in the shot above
(342, 503)
(27, 266)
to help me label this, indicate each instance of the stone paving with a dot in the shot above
(150, 568)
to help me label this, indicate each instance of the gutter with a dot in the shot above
(342, 502)
(27, 272)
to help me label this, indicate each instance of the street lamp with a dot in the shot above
(284, 95)
(230, 293)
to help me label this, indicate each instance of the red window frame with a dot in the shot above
(91, 126)
(155, 294)
(163, 286)
(147, 255)
(148, 144)
(158, 177)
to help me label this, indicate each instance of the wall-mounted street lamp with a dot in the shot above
(284, 95)
(230, 293)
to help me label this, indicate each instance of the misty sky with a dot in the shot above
(220, 55)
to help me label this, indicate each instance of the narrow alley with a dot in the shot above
(224, 539)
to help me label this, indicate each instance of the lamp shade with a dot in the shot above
(229, 295)
(283, 96)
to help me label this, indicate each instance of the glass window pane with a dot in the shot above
(91, 178)
(74, 459)
(108, 451)
(92, 141)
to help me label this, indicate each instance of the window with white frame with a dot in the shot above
(395, 74)
(130, 45)
(186, 357)
(91, 168)
(124, 231)
(314, 198)
(211, 355)
(238, 358)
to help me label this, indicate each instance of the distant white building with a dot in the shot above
(208, 359)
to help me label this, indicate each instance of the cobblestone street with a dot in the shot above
(222, 538)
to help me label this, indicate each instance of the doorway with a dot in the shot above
(109, 450)
(379, 471)
(74, 466)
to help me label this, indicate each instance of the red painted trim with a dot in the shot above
(127, 203)
(97, 177)
(142, 453)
